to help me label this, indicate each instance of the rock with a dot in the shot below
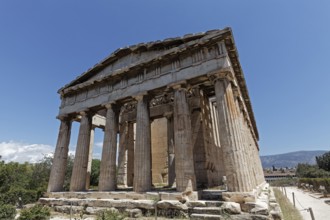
(248, 206)
(134, 213)
(277, 215)
(238, 197)
(231, 208)
(95, 210)
(171, 204)
(197, 203)
(66, 209)
(144, 204)
(260, 208)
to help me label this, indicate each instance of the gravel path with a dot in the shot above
(304, 200)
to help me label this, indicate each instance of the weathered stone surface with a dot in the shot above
(207, 210)
(107, 180)
(260, 208)
(197, 203)
(56, 179)
(79, 170)
(134, 213)
(206, 217)
(68, 209)
(277, 215)
(211, 133)
(142, 155)
(95, 210)
(184, 164)
(231, 208)
(170, 204)
(238, 197)
(248, 206)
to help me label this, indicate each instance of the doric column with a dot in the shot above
(90, 159)
(107, 181)
(170, 149)
(79, 171)
(142, 155)
(57, 173)
(243, 148)
(122, 154)
(232, 153)
(184, 162)
(130, 155)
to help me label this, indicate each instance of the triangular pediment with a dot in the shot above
(137, 54)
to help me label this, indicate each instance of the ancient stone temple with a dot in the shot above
(175, 112)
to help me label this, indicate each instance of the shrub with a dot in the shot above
(316, 182)
(37, 212)
(7, 211)
(13, 195)
(110, 215)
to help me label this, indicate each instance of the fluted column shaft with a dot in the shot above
(232, 154)
(79, 171)
(57, 173)
(184, 162)
(130, 155)
(142, 155)
(107, 181)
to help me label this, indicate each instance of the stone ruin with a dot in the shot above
(181, 114)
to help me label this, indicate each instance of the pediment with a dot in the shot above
(137, 54)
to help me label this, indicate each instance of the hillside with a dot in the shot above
(290, 159)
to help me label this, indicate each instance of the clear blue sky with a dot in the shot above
(283, 46)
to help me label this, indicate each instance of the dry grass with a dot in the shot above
(289, 212)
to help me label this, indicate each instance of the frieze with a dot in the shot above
(160, 100)
(129, 107)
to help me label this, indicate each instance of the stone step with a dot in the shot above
(210, 203)
(206, 210)
(205, 203)
(206, 217)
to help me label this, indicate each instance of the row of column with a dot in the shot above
(184, 169)
(240, 154)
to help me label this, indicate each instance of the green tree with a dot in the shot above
(305, 170)
(95, 172)
(323, 161)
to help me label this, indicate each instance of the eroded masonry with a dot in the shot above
(179, 111)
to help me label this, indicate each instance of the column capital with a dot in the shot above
(223, 75)
(140, 96)
(179, 85)
(85, 112)
(112, 105)
(63, 117)
(168, 115)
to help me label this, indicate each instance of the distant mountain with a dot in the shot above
(290, 159)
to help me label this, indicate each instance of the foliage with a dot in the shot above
(26, 181)
(284, 182)
(68, 172)
(323, 161)
(37, 212)
(13, 195)
(289, 212)
(311, 171)
(110, 215)
(95, 172)
(7, 211)
(29, 181)
(316, 182)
